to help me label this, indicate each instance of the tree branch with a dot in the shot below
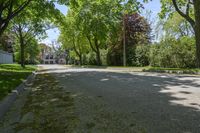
(191, 2)
(91, 44)
(76, 51)
(188, 8)
(18, 10)
(28, 32)
(16, 33)
(186, 16)
(3, 27)
(5, 5)
(8, 6)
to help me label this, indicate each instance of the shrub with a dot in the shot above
(91, 58)
(173, 53)
(142, 55)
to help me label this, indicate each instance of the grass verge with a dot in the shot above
(144, 69)
(12, 75)
(128, 68)
(173, 70)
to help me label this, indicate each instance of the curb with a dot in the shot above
(7, 102)
(173, 72)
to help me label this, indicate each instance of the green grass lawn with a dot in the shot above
(131, 68)
(144, 69)
(12, 75)
(173, 70)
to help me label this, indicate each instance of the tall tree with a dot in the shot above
(24, 35)
(137, 31)
(99, 17)
(72, 37)
(96, 16)
(32, 51)
(9, 9)
(190, 10)
(177, 26)
(197, 29)
(30, 22)
(26, 28)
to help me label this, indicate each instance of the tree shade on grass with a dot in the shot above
(11, 76)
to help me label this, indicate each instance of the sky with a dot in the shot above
(153, 6)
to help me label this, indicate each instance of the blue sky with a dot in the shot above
(153, 6)
(54, 33)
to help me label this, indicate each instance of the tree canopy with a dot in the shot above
(189, 10)
(103, 31)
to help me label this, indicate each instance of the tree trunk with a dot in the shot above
(22, 47)
(80, 60)
(95, 48)
(11, 10)
(98, 55)
(22, 55)
(78, 52)
(3, 27)
(124, 42)
(1, 31)
(197, 30)
(98, 58)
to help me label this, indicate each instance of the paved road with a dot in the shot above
(156, 102)
(121, 102)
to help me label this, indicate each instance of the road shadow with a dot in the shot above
(160, 103)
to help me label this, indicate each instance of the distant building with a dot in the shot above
(6, 49)
(49, 56)
(5, 57)
(61, 59)
(7, 42)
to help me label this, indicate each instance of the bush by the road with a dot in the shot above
(173, 53)
(142, 55)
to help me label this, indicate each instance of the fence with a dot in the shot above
(5, 58)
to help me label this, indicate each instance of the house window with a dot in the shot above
(51, 57)
(47, 56)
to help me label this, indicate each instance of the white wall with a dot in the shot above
(5, 58)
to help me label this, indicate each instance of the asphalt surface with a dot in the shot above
(109, 101)
(156, 102)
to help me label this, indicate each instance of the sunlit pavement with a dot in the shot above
(161, 102)
(116, 101)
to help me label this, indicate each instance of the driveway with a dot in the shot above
(106, 101)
